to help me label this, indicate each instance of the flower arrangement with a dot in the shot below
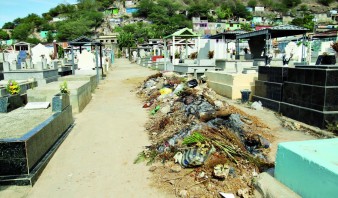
(193, 55)
(211, 54)
(177, 55)
(64, 88)
(13, 87)
(335, 46)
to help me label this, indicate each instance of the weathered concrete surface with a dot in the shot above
(230, 85)
(309, 168)
(80, 93)
(267, 186)
(91, 78)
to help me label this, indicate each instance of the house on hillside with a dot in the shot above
(111, 11)
(58, 18)
(109, 41)
(203, 27)
(44, 34)
(115, 22)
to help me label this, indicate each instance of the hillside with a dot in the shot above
(87, 18)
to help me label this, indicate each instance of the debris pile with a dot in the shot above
(204, 146)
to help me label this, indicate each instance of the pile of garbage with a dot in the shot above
(211, 145)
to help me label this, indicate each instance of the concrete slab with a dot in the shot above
(192, 69)
(230, 85)
(80, 93)
(23, 156)
(41, 76)
(268, 186)
(233, 66)
(310, 168)
(91, 78)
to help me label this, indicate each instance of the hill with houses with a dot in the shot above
(141, 20)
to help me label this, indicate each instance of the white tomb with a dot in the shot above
(41, 53)
(86, 61)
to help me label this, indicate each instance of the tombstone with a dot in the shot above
(326, 60)
(23, 65)
(39, 53)
(286, 59)
(38, 66)
(142, 53)
(2, 57)
(54, 65)
(268, 59)
(22, 58)
(29, 64)
(12, 60)
(6, 66)
(134, 55)
(86, 61)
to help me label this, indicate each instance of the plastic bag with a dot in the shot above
(192, 83)
(178, 89)
(165, 91)
(257, 105)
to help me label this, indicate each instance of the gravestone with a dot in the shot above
(12, 59)
(22, 58)
(326, 60)
(40, 53)
(86, 61)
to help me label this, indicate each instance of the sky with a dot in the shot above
(12, 9)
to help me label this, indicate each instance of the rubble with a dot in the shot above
(215, 146)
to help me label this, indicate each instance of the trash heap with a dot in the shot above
(203, 145)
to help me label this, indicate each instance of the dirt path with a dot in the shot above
(96, 159)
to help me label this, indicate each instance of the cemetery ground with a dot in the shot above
(97, 157)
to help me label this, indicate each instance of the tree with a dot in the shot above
(220, 13)
(240, 10)
(325, 2)
(50, 36)
(61, 52)
(228, 13)
(87, 5)
(72, 29)
(125, 39)
(17, 21)
(145, 8)
(199, 10)
(279, 7)
(22, 31)
(8, 25)
(306, 21)
(252, 3)
(267, 3)
(33, 40)
(169, 6)
(34, 19)
(291, 3)
(4, 35)
(246, 27)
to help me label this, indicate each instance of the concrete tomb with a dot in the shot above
(309, 168)
(86, 61)
(27, 147)
(80, 93)
(41, 56)
(230, 84)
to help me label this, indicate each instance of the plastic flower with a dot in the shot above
(64, 88)
(13, 87)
